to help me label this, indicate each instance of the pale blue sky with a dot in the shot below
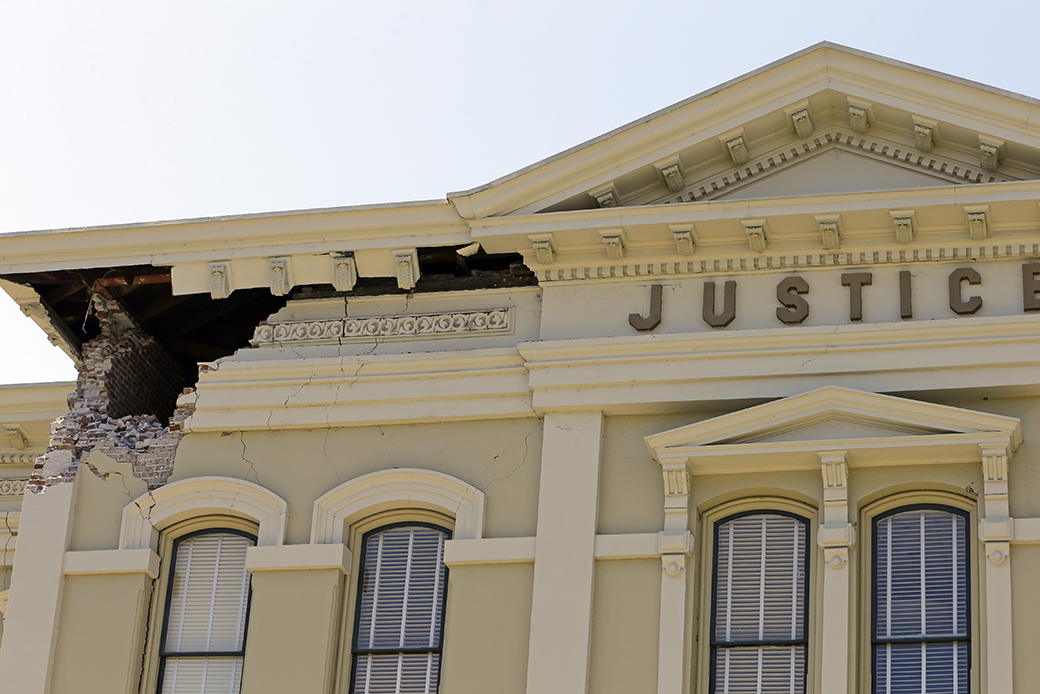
(137, 111)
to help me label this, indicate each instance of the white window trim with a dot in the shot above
(402, 488)
(157, 510)
(906, 432)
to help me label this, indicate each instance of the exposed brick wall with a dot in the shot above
(128, 384)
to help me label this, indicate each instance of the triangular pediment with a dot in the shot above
(782, 432)
(776, 132)
(832, 427)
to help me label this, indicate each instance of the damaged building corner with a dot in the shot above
(125, 403)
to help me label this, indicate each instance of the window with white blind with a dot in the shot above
(759, 625)
(207, 609)
(400, 610)
(921, 630)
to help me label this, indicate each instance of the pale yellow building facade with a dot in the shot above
(736, 398)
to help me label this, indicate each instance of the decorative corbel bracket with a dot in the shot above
(830, 231)
(280, 282)
(756, 234)
(683, 235)
(926, 133)
(978, 227)
(836, 535)
(344, 271)
(800, 118)
(904, 222)
(991, 152)
(406, 260)
(614, 241)
(220, 284)
(544, 248)
(606, 195)
(996, 529)
(861, 115)
(735, 144)
(16, 434)
(675, 542)
(671, 169)
(676, 496)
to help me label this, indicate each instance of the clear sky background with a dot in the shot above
(136, 111)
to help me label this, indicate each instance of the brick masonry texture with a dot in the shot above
(128, 384)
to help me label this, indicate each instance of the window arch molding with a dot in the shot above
(402, 488)
(157, 510)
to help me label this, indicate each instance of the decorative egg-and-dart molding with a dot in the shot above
(349, 330)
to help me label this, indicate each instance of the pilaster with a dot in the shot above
(835, 536)
(996, 531)
(675, 544)
(568, 499)
(37, 584)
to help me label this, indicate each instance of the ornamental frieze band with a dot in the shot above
(12, 487)
(494, 321)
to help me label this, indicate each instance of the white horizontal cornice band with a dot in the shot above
(788, 262)
(520, 550)
(362, 390)
(624, 374)
(620, 374)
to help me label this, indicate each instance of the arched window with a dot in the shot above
(206, 613)
(759, 623)
(921, 631)
(400, 610)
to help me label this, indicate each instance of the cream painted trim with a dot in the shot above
(714, 446)
(5, 597)
(627, 546)
(1027, 531)
(144, 517)
(521, 550)
(564, 567)
(911, 416)
(298, 558)
(489, 550)
(369, 228)
(395, 489)
(863, 227)
(767, 90)
(641, 374)
(366, 390)
(111, 561)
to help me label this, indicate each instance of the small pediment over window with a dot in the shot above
(874, 429)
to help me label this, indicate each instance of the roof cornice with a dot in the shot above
(996, 112)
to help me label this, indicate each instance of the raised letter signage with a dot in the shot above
(1030, 287)
(855, 281)
(729, 304)
(957, 303)
(653, 319)
(795, 309)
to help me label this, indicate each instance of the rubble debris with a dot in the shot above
(125, 404)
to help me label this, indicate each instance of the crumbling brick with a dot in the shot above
(128, 384)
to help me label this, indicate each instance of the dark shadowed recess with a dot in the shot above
(197, 328)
